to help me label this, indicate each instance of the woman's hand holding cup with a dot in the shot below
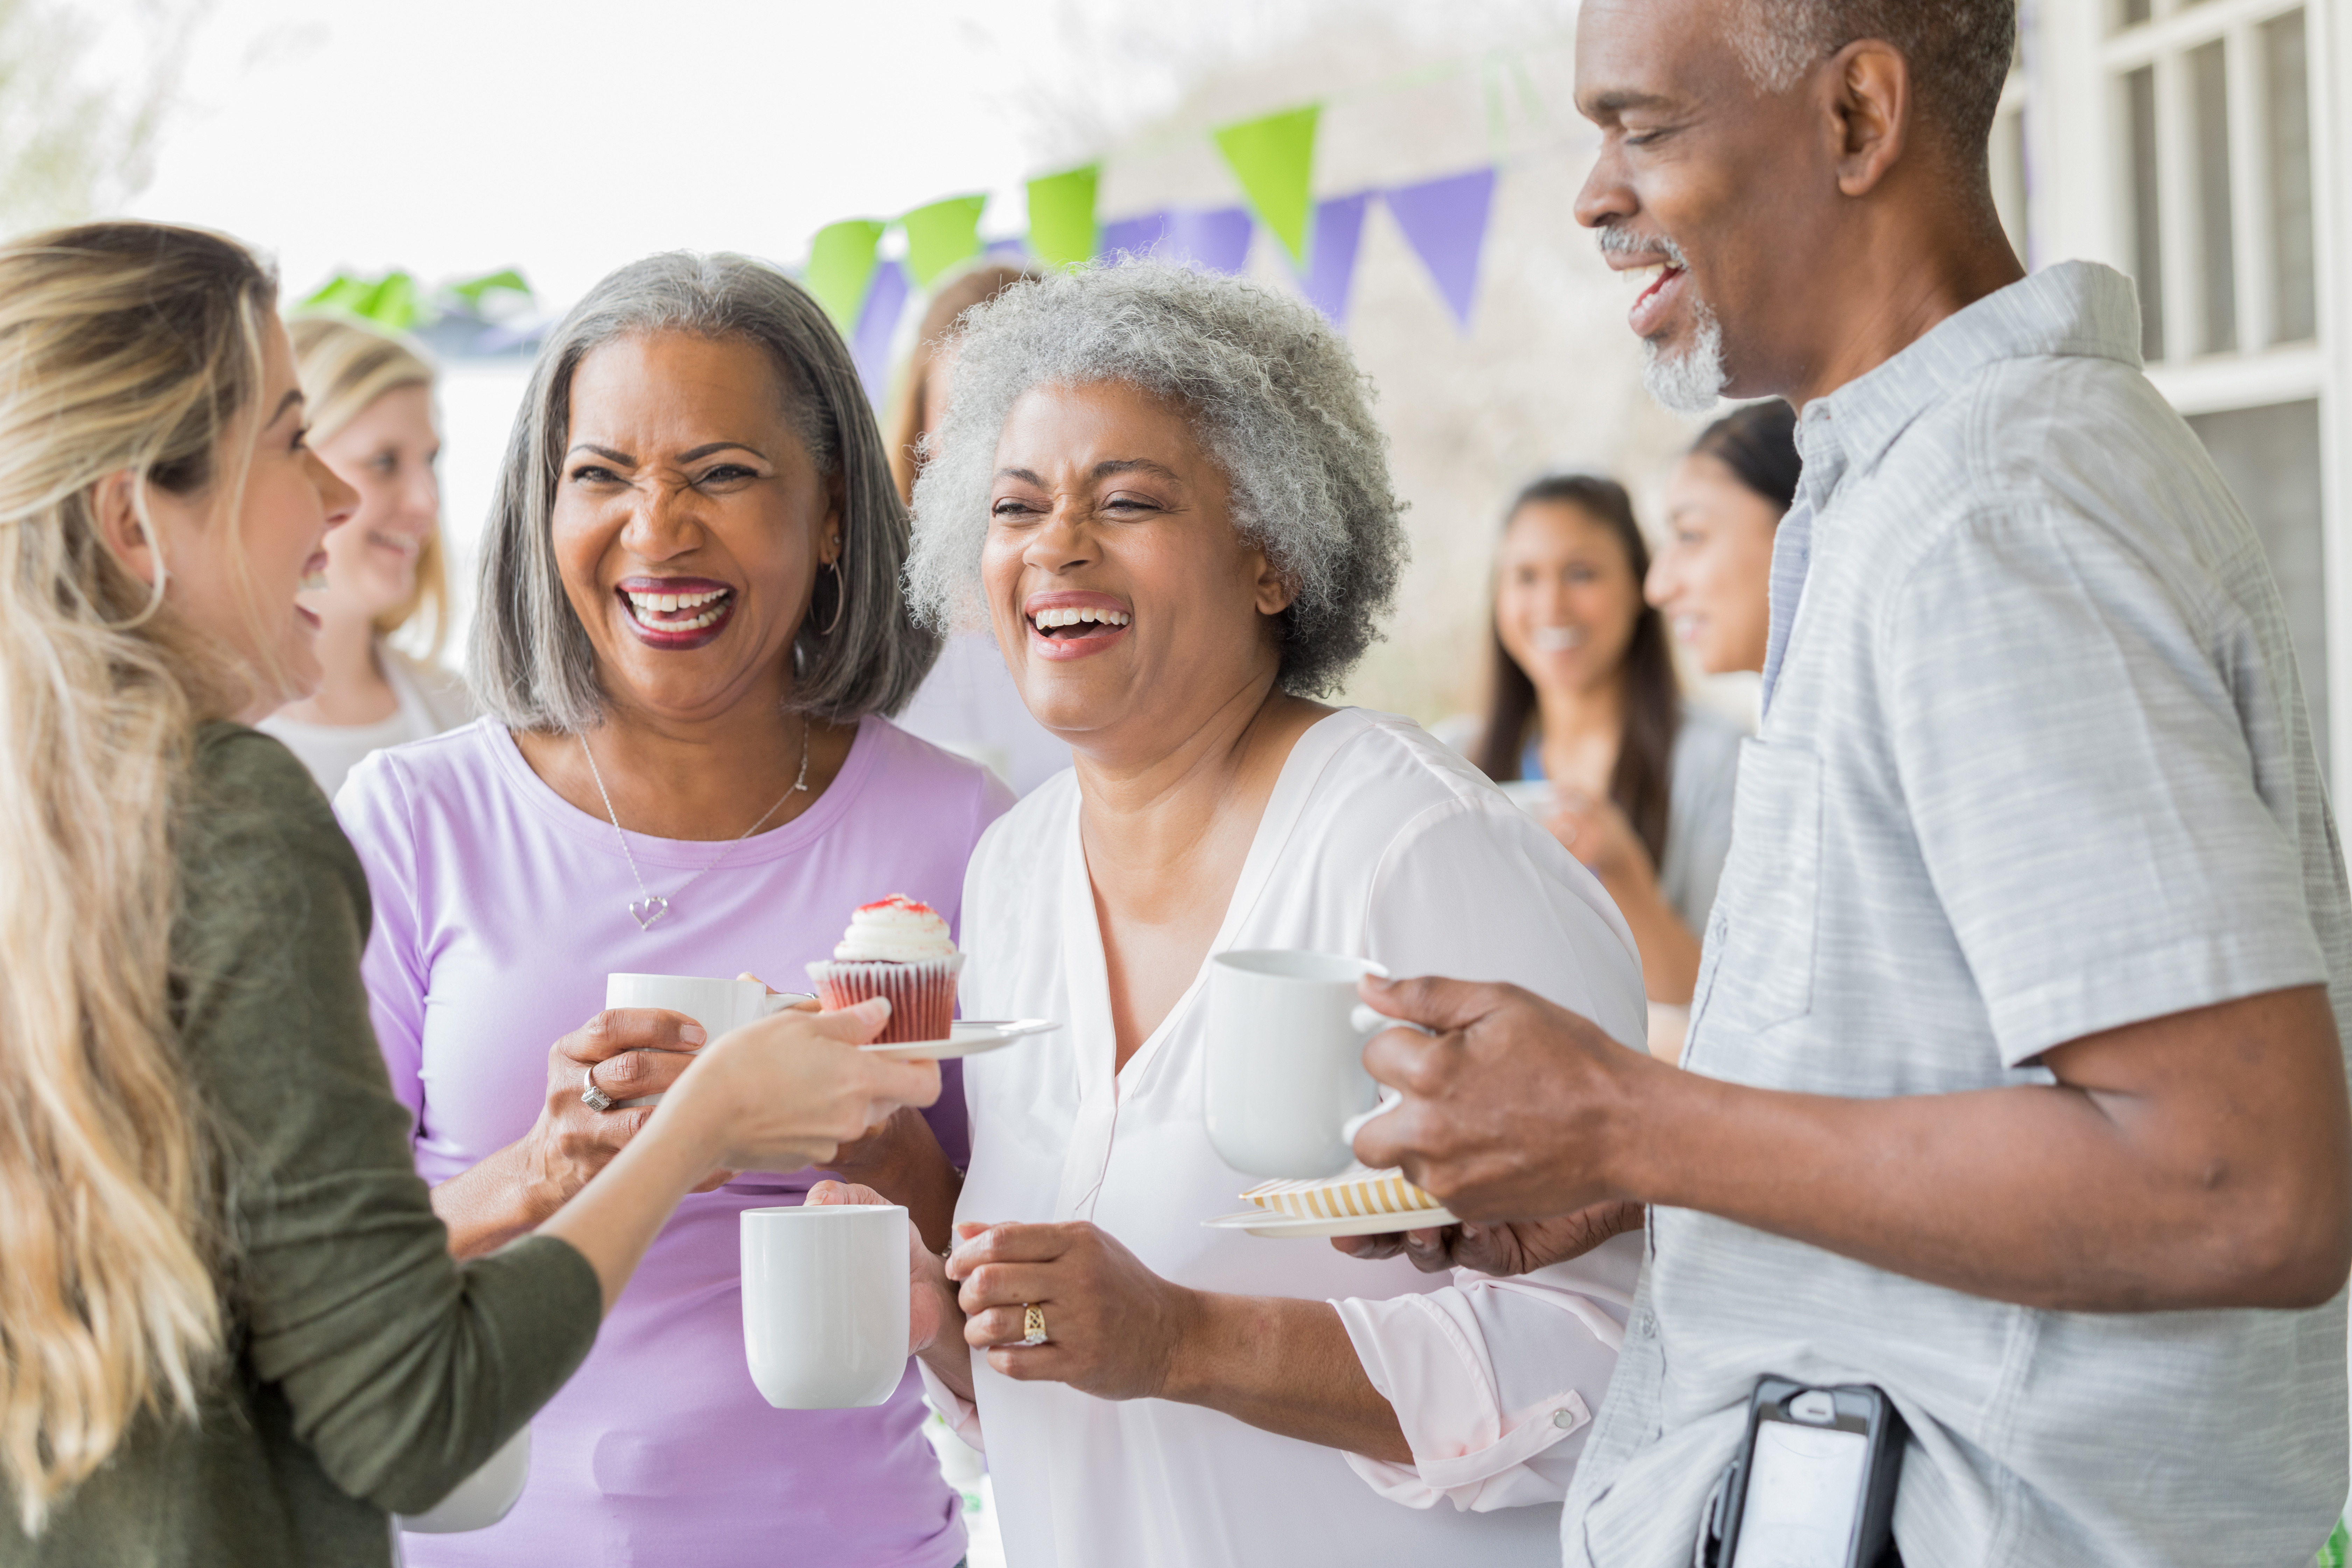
(787, 1091)
(932, 1298)
(629, 1053)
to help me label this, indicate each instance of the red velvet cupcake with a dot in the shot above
(898, 948)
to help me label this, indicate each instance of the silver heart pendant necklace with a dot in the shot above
(648, 907)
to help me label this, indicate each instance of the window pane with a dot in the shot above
(2270, 459)
(2008, 187)
(2135, 12)
(2148, 235)
(2288, 82)
(2210, 85)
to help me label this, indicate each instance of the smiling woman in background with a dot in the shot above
(1712, 578)
(371, 401)
(689, 630)
(1584, 698)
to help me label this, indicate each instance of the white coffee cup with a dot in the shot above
(825, 1303)
(719, 1006)
(482, 1498)
(1287, 1086)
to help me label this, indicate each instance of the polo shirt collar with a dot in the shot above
(2078, 308)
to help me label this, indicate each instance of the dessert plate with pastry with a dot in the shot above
(900, 948)
(1357, 1202)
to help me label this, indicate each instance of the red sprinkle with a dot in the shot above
(899, 902)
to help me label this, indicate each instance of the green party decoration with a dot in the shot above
(942, 235)
(840, 265)
(474, 290)
(391, 302)
(1062, 217)
(1273, 159)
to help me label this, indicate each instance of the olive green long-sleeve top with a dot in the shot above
(366, 1373)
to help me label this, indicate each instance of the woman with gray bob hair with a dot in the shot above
(690, 629)
(1274, 396)
(1166, 493)
(531, 661)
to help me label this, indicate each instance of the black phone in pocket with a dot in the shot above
(1812, 1485)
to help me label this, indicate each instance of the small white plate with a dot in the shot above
(1267, 1222)
(967, 1037)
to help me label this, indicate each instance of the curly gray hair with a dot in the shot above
(1274, 396)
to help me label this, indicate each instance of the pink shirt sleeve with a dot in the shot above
(372, 807)
(1495, 1381)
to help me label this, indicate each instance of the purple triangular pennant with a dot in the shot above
(1135, 236)
(1218, 239)
(1445, 221)
(1330, 275)
(878, 323)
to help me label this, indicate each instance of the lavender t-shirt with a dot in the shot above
(499, 908)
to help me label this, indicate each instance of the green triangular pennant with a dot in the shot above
(1062, 217)
(840, 264)
(1273, 159)
(940, 235)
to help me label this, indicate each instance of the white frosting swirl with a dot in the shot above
(896, 930)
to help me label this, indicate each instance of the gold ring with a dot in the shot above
(1032, 1324)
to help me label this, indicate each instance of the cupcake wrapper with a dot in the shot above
(922, 996)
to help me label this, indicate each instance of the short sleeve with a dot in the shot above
(1475, 889)
(2070, 742)
(373, 809)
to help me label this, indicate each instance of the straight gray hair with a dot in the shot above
(858, 650)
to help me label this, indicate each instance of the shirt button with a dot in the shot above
(1563, 1419)
(1641, 1323)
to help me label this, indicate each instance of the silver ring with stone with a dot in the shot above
(592, 1097)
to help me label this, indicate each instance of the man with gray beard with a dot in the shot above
(2016, 1068)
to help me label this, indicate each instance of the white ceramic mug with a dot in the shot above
(482, 1498)
(825, 1303)
(1286, 1085)
(719, 1006)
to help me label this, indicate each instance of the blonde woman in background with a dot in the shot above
(968, 705)
(370, 400)
(231, 1331)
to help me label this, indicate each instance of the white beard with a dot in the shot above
(1692, 381)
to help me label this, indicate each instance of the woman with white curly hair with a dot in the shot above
(1166, 493)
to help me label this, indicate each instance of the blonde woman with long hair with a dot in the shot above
(231, 1331)
(370, 396)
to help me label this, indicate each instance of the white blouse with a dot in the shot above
(431, 701)
(1376, 841)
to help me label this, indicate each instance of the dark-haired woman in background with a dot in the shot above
(1585, 700)
(1713, 575)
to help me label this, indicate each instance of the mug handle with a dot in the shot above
(1368, 1023)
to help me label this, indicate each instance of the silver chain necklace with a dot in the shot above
(649, 906)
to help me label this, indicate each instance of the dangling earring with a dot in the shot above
(840, 598)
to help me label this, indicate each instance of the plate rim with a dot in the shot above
(1276, 1226)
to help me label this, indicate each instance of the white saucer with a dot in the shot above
(1268, 1222)
(967, 1037)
